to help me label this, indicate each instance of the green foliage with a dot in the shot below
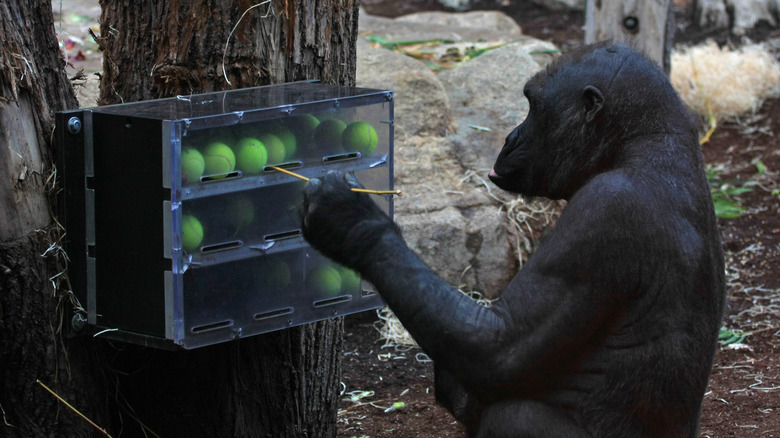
(760, 167)
(723, 193)
(728, 337)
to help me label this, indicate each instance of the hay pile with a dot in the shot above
(722, 82)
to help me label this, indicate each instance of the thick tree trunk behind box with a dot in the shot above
(33, 86)
(282, 384)
(645, 24)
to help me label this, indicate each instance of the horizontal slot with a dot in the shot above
(367, 293)
(332, 301)
(288, 165)
(221, 176)
(340, 157)
(224, 246)
(273, 313)
(212, 326)
(283, 235)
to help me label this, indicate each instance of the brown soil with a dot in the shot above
(743, 398)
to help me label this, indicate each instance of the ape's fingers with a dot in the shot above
(309, 192)
(312, 186)
(353, 181)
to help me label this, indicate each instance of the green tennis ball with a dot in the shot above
(325, 279)
(251, 155)
(304, 125)
(275, 148)
(241, 212)
(350, 280)
(360, 136)
(191, 232)
(192, 165)
(288, 140)
(275, 274)
(328, 133)
(219, 159)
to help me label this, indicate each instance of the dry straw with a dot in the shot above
(722, 82)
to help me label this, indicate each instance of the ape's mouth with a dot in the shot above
(498, 180)
(508, 183)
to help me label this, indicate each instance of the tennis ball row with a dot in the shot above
(330, 280)
(325, 279)
(357, 136)
(251, 153)
(240, 213)
(218, 159)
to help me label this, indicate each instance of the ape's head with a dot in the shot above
(584, 108)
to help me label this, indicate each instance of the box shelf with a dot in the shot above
(166, 259)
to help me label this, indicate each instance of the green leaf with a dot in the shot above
(728, 337)
(726, 207)
(760, 167)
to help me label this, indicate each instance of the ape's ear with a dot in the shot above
(594, 101)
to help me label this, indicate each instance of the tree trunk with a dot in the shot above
(33, 284)
(280, 384)
(646, 25)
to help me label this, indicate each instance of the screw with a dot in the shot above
(74, 125)
(78, 321)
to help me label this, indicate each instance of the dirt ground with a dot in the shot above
(743, 398)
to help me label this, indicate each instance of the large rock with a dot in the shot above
(468, 26)
(468, 248)
(487, 92)
(455, 225)
(421, 103)
(558, 5)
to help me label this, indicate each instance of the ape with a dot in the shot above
(610, 327)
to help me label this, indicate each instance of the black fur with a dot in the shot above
(610, 328)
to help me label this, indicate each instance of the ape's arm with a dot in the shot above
(548, 313)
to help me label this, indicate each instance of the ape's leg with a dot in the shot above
(527, 419)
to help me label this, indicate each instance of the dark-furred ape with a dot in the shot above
(610, 327)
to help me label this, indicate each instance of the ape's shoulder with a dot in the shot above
(615, 191)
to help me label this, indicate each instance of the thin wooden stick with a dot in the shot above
(288, 172)
(73, 409)
(354, 189)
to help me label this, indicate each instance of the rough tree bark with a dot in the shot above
(280, 384)
(646, 25)
(33, 86)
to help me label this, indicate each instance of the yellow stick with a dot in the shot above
(354, 189)
(73, 409)
(288, 172)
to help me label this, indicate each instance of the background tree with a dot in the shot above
(279, 384)
(646, 25)
(33, 86)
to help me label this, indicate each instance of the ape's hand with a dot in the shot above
(342, 224)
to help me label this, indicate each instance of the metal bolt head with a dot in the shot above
(74, 125)
(78, 322)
